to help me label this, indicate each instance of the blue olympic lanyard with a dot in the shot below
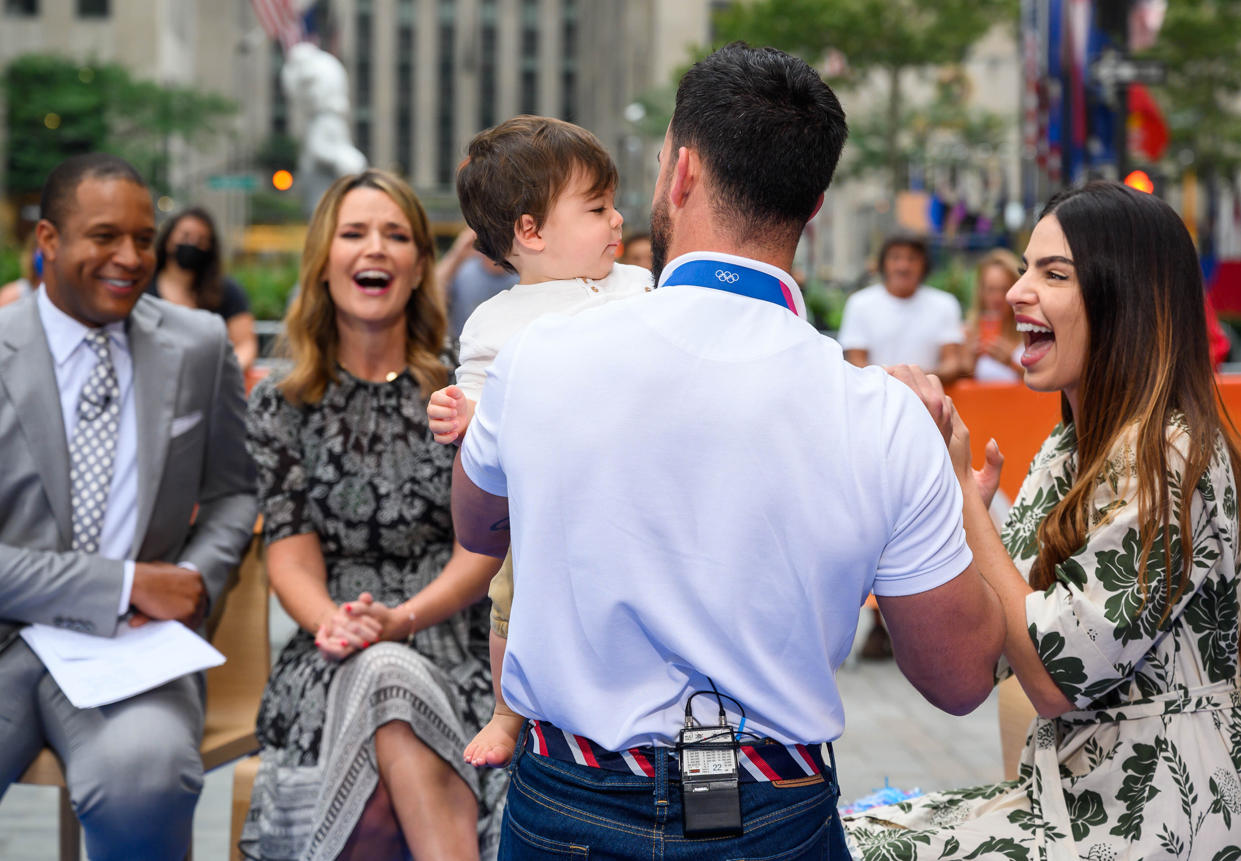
(734, 278)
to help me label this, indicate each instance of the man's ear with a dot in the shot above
(526, 235)
(686, 176)
(818, 204)
(48, 238)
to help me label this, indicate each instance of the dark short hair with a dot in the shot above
(768, 130)
(60, 188)
(519, 168)
(208, 284)
(906, 240)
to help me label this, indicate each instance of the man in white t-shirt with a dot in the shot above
(702, 492)
(901, 321)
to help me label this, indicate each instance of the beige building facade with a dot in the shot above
(426, 75)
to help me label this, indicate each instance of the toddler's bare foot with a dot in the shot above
(495, 743)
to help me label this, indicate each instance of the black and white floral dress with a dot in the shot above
(1149, 765)
(360, 470)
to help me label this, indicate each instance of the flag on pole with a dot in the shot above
(1147, 126)
(280, 20)
(1076, 46)
(1056, 92)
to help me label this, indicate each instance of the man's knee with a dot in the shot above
(21, 731)
(136, 787)
(134, 771)
(137, 804)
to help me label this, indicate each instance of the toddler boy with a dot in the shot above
(539, 194)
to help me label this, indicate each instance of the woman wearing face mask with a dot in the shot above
(187, 272)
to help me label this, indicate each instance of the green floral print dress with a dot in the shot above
(1148, 765)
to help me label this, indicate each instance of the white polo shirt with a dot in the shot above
(700, 485)
(897, 331)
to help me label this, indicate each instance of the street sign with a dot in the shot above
(1113, 70)
(232, 182)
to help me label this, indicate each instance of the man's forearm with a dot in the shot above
(67, 589)
(480, 519)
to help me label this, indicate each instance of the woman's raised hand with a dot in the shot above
(930, 391)
(988, 478)
(954, 431)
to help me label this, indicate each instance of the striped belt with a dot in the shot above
(760, 762)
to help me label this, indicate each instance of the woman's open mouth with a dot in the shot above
(373, 281)
(1039, 341)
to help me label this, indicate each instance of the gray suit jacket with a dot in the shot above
(190, 405)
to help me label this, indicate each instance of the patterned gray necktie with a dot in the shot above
(93, 449)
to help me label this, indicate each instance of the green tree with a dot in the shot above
(943, 133)
(56, 108)
(887, 37)
(1201, 95)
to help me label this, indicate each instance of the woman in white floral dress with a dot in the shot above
(1117, 568)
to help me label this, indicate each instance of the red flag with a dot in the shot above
(1217, 341)
(1148, 131)
(280, 20)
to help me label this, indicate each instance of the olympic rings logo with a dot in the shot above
(726, 276)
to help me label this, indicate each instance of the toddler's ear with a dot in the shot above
(526, 235)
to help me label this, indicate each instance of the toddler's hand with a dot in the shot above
(445, 413)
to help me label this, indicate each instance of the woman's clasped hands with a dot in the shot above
(357, 624)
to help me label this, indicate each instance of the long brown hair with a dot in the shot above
(310, 336)
(1147, 360)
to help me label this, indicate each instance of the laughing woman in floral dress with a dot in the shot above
(1117, 569)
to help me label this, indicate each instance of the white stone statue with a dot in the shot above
(317, 87)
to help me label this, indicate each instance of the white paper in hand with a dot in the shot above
(95, 671)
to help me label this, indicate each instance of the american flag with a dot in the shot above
(281, 20)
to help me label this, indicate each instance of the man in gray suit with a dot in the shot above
(125, 491)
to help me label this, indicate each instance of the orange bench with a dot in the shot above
(1020, 420)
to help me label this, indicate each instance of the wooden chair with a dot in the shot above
(1016, 713)
(233, 693)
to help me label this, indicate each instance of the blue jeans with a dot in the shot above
(557, 809)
